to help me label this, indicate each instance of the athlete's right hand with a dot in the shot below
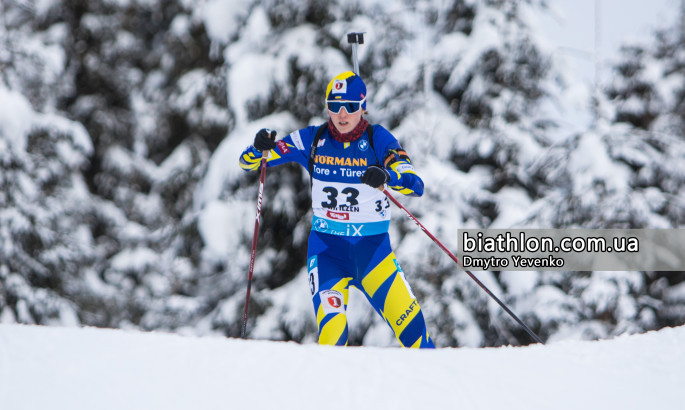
(265, 140)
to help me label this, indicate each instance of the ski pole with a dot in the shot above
(255, 235)
(355, 39)
(454, 258)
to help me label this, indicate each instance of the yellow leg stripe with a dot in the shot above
(319, 314)
(417, 344)
(343, 288)
(379, 274)
(331, 333)
(400, 308)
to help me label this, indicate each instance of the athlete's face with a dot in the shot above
(345, 122)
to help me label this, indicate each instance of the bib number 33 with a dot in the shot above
(332, 192)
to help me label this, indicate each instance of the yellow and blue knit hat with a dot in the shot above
(347, 86)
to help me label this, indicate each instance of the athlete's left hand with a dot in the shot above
(375, 176)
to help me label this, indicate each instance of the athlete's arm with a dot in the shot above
(289, 149)
(403, 178)
(394, 159)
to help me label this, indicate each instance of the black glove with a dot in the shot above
(375, 176)
(265, 140)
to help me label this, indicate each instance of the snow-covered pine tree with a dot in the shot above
(141, 79)
(151, 94)
(649, 93)
(625, 171)
(45, 242)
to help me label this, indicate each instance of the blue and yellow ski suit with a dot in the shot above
(349, 243)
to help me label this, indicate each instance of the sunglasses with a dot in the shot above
(350, 106)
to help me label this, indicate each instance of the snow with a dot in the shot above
(87, 368)
(591, 163)
(134, 259)
(250, 79)
(586, 36)
(15, 118)
(572, 30)
(232, 213)
(222, 166)
(222, 17)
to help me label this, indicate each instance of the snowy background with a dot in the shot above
(122, 204)
(589, 32)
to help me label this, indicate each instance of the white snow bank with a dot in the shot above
(72, 368)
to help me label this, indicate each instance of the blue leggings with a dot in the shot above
(367, 263)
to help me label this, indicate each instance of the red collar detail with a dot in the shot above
(348, 136)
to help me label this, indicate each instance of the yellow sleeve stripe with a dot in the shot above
(404, 167)
(249, 162)
(250, 157)
(402, 190)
